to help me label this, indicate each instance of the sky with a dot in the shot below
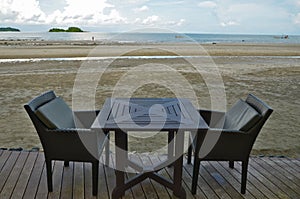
(185, 16)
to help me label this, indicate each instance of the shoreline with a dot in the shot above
(58, 49)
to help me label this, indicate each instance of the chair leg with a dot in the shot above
(244, 176)
(49, 175)
(66, 163)
(195, 175)
(95, 173)
(231, 164)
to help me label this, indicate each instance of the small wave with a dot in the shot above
(132, 57)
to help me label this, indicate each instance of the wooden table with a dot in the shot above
(172, 115)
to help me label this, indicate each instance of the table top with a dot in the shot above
(146, 114)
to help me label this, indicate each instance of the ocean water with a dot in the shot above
(149, 37)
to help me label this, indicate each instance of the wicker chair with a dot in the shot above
(240, 127)
(61, 139)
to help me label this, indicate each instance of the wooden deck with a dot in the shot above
(22, 175)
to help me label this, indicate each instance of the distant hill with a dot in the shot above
(9, 29)
(70, 29)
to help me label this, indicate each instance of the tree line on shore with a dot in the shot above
(70, 29)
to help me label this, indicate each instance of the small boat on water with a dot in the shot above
(178, 36)
(281, 37)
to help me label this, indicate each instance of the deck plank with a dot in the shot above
(7, 167)
(146, 184)
(67, 181)
(255, 171)
(170, 171)
(287, 166)
(160, 190)
(23, 175)
(137, 190)
(35, 177)
(234, 178)
(58, 167)
(252, 181)
(14, 175)
(78, 183)
(102, 185)
(88, 182)
(223, 181)
(202, 186)
(3, 158)
(273, 173)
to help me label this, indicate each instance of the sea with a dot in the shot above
(150, 37)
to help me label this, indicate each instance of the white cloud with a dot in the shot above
(137, 1)
(78, 12)
(207, 4)
(297, 19)
(151, 20)
(141, 9)
(21, 11)
(175, 23)
(229, 23)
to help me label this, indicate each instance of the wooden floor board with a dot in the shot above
(14, 176)
(275, 192)
(202, 185)
(288, 185)
(235, 177)
(23, 175)
(34, 180)
(252, 181)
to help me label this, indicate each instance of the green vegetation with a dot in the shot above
(10, 29)
(70, 29)
(57, 30)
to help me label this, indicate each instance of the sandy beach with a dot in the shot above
(270, 71)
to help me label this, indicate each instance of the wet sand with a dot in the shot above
(272, 72)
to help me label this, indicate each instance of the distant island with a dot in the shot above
(9, 29)
(70, 29)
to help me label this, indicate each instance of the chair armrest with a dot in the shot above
(68, 130)
(226, 131)
(85, 118)
(75, 139)
(212, 118)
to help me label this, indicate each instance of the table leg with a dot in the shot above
(121, 159)
(179, 147)
(171, 144)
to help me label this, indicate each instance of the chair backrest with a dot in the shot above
(241, 116)
(51, 110)
(248, 114)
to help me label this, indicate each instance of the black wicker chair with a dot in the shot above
(240, 127)
(61, 139)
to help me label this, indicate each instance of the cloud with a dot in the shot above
(137, 1)
(87, 12)
(207, 4)
(20, 11)
(229, 23)
(141, 9)
(175, 23)
(297, 19)
(151, 20)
